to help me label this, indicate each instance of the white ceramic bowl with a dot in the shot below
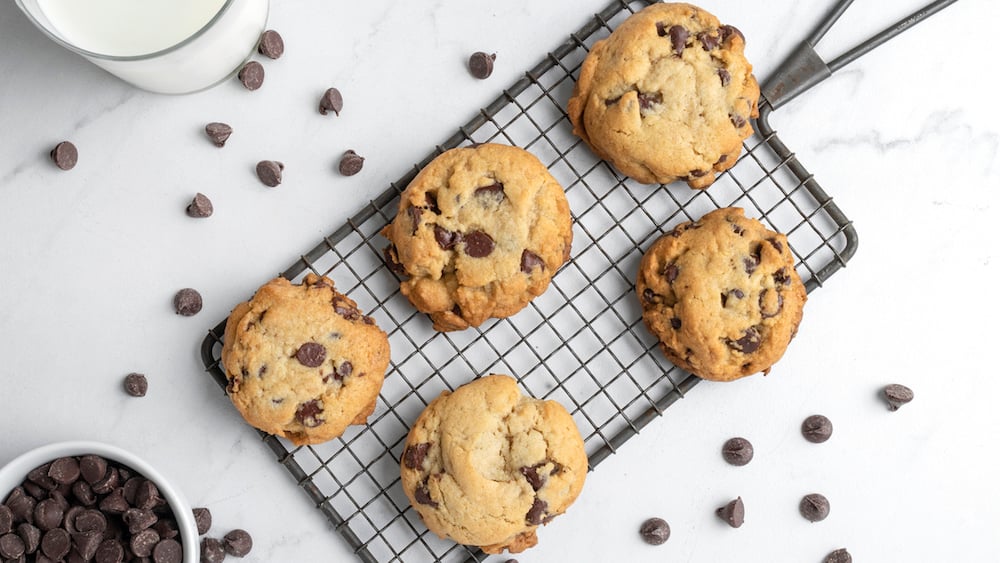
(15, 472)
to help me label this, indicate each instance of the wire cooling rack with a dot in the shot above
(581, 343)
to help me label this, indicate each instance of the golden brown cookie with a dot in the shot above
(485, 465)
(302, 361)
(479, 233)
(722, 295)
(668, 96)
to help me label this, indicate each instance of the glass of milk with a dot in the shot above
(164, 46)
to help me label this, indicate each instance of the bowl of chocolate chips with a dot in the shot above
(90, 501)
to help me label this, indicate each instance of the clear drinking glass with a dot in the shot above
(198, 58)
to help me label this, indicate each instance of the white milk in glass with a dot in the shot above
(168, 46)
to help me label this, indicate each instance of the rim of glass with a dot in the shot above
(94, 55)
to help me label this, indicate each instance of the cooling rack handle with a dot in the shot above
(804, 68)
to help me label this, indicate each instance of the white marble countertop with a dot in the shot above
(905, 140)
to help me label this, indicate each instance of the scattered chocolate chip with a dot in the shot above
(351, 163)
(423, 495)
(732, 513)
(814, 507)
(212, 550)
(269, 172)
(478, 244)
(200, 206)
(481, 64)
(238, 543)
(308, 413)
(530, 261)
(136, 384)
(332, 100)
(655, 531)
(678, 38)
(64, 155)
(11, 546)
(724, 77)
(536, 514)
(897, 395)
(187, 302)
(252, 75)
(271, 44)
(311, 354)
(218, 133)
(838, 556)
(748, 343)
(413, 456)
(737, 451)
(708, 41)
(445, 238)
(817, 428)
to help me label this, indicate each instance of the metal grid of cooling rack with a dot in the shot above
(581, 343)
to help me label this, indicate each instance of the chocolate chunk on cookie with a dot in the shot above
(479, 233)
(486, 465)
(721, 295)
(668, 96)
(303, 362)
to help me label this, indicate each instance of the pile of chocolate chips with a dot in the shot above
(87, 508)
(237, 543)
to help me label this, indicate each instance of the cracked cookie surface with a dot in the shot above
(479, 233)
(721, 294)
(667, 96)
(302, 361)
(486, 465)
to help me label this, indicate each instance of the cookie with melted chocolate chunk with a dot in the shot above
(721, 294)
(667, 96)
(486, 465)
(303, 362)
(479, 233)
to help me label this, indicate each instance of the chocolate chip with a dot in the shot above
(432, 203)
(56, 543)
(678, 39)
(93, 468)
(897, 395)
(391, 256)
(20, 504)
(655, 531)
(708, 41)
(218, 133)
(423, 495)
(110, 551)
(738, 120)
(252, 75)
(114, 502)
(167, 551)
(777, 245)
(781, 277)
(737, 293)
(91, 520)
(11, 546)
(64, 470)
(40, 477)
(136, 385)
(478, 244)
(332, 100)
(737, 451)
(30, 535)
(138, 519)
(413, 456)
(724, 77)
(493, 191)
(531, 474)
(661, 29)
(187, 302)
(147, 495)
(345, 369)
(814, 507)
(48, 515)
(212, 550)
(732, 513)
(817, 428)
(200, 206)
(86, 543)
(650, 297)
(697, 173)
(64, 155)
(750, 263)
(726, 31)
(670, 272)
(445, 238)
(838, 556)
(308, 413)
(271, 44)
(142, 543)
(649, 99)
(311, 354)
(6, 519)
(108, 483)
(481, 64)
(530, 261)
(770, 302)
(238, 543)
(536, 513)
(415, 213)
(269, 172)
(351, 163)
(748, 343)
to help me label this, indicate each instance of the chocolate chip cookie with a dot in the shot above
(668, 96)
(479, 233)
(302, 361)
(485, 465)
(722, 295)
